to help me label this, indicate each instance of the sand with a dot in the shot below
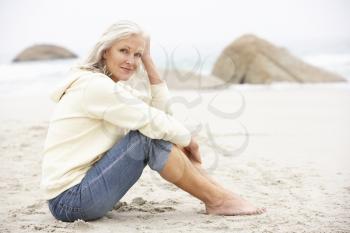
(287, 150)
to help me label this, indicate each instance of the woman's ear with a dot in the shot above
(105, 53)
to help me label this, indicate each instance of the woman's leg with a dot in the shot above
(199, 167)
(181, 172)
(118, 170)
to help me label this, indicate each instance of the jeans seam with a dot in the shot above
(69, 208)
(72, 192)
(163, 147)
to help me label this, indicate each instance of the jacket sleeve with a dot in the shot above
(112, 102)
(159, 96)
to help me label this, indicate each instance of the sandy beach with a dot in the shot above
(263, 85)
(287, 150)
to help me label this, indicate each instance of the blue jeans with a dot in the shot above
(107, 181)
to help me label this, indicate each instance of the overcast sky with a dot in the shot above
(77, 24)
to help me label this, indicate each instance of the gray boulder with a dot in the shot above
(180, 80)
(44, 52)
(250, 59)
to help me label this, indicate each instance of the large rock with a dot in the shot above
(180, 80)
(250, 59)
(44, 52)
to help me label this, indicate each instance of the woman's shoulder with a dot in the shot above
(84, 73)
(99, 83)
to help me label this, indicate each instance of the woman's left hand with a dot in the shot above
(146, 52)
(193, 151)
(148, 64)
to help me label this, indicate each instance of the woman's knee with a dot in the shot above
(157, 151)
(139, 136)
(159, 154)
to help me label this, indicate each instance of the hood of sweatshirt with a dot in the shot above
(61, 89)
(57, 93)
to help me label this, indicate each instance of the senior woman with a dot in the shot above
(103, 133)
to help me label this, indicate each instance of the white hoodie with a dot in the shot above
(92, 114)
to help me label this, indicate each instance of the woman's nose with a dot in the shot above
(130, 60)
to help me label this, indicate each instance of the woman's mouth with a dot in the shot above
(127, 70)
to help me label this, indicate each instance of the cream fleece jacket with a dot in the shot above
(92, 114)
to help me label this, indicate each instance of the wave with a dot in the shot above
(40, 76)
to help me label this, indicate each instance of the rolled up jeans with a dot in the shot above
(107, 181)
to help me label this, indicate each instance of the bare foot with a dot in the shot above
(234, 205)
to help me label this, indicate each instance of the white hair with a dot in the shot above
(118, 31)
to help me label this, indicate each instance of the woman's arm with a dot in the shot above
(192, 150)
(150, 67)
(104, 99)
(159, 90)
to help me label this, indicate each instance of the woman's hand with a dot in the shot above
(147, 61)
(193, 151)
(146, 52)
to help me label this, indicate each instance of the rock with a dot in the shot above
(250, 59)
(138, 201)
(119, 204)
(43, 52)
(181, 79)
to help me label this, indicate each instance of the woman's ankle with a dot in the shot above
(216, 199)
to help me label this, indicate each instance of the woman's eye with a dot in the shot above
(123, 50)
(138, 54)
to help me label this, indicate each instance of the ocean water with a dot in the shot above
(41, 77)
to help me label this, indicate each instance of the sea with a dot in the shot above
(26, 78)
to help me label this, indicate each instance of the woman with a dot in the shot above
(103, 133)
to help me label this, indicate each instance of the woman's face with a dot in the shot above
(124, 57)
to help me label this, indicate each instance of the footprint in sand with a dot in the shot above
(139, 204)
